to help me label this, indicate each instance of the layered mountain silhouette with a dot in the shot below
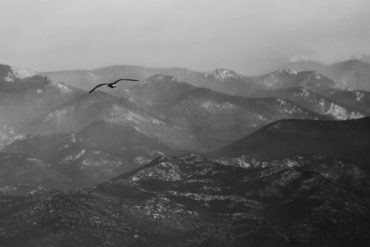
(314, 76)
(214, 118)
(221, 80)
(293, 78)
(179, 114)
(100, 106)
(114, 169)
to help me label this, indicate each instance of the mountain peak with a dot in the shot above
(222, 74)
(11, 73)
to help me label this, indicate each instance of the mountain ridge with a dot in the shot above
(348, 140)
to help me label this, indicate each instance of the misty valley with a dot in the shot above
(186, 158)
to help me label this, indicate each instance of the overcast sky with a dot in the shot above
(249, 36)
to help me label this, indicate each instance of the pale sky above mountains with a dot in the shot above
(249, 36)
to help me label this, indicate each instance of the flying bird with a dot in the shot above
(111, 85)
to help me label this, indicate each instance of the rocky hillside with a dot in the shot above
(192, 201)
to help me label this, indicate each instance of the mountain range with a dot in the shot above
(351, 73)
(185, 158)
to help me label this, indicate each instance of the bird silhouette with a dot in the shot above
(111, 85)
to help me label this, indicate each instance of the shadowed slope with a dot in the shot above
(349, 140)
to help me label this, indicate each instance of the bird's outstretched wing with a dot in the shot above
(123, 79)
(111, 84)
(99, 85)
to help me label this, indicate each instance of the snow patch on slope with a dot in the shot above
(291, 71)
(56, 116)
(18, 73)
(215, 107)
(287, 107)
(8, 135)
(303, 93)
(359, 95)
(63, 88)
(341, 113)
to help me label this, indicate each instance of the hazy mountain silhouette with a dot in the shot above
(284, 79)
(221, 80)
(351, 73)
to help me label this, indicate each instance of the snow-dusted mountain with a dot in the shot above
(11, 73)
(24, 96)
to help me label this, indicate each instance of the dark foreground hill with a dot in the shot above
(349, 140)
(191, 201)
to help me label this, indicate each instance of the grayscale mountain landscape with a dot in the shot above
(245, 125)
